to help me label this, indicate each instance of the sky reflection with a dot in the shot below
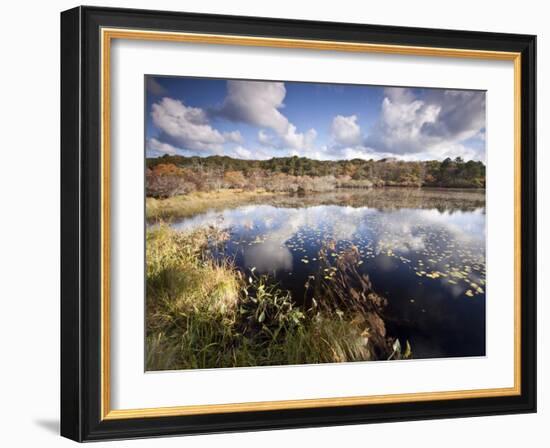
(428, 262)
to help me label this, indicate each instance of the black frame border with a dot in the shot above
(81, 223)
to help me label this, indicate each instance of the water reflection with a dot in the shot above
(424, 250)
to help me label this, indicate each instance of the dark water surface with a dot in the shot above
(424, 250)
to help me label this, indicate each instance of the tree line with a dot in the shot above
(172, 175)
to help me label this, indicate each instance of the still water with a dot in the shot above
(424, 250)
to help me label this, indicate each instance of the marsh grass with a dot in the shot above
(202, 312)
(190, 204)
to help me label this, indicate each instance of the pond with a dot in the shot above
(424, 250)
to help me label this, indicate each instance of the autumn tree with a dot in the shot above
(234, 179)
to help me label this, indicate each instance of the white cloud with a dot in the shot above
(345, 130)
(157, 147)
(257, 103)
(399, 94)
(187, 127)
(265, 139)
(462, 114)
(357, 152)
(432, 127)
(442, 151)
(233, 136)
(412, 124)
(297, 140)
(400, 124)
(242, 153)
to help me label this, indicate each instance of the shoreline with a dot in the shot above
(190, 204)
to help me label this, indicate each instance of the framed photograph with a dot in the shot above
(276, 224)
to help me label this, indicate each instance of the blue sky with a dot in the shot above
(264, 119)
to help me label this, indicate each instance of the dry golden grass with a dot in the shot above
(198, 202)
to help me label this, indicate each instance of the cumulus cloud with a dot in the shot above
(258, 103)
(399, 126)
(399, 94)
(297, 140)
(462, 114)
(233, 136)
(266, 139)
(358, 152)
(188, 127)
(411, 124)
(345, 130)
(428, 124)
(433, 126)
(242, 153)
(158, 148)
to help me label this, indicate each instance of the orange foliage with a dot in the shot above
(165, 169)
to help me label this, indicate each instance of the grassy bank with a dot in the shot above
(186, 205)
(182, 206)
(205, 313)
